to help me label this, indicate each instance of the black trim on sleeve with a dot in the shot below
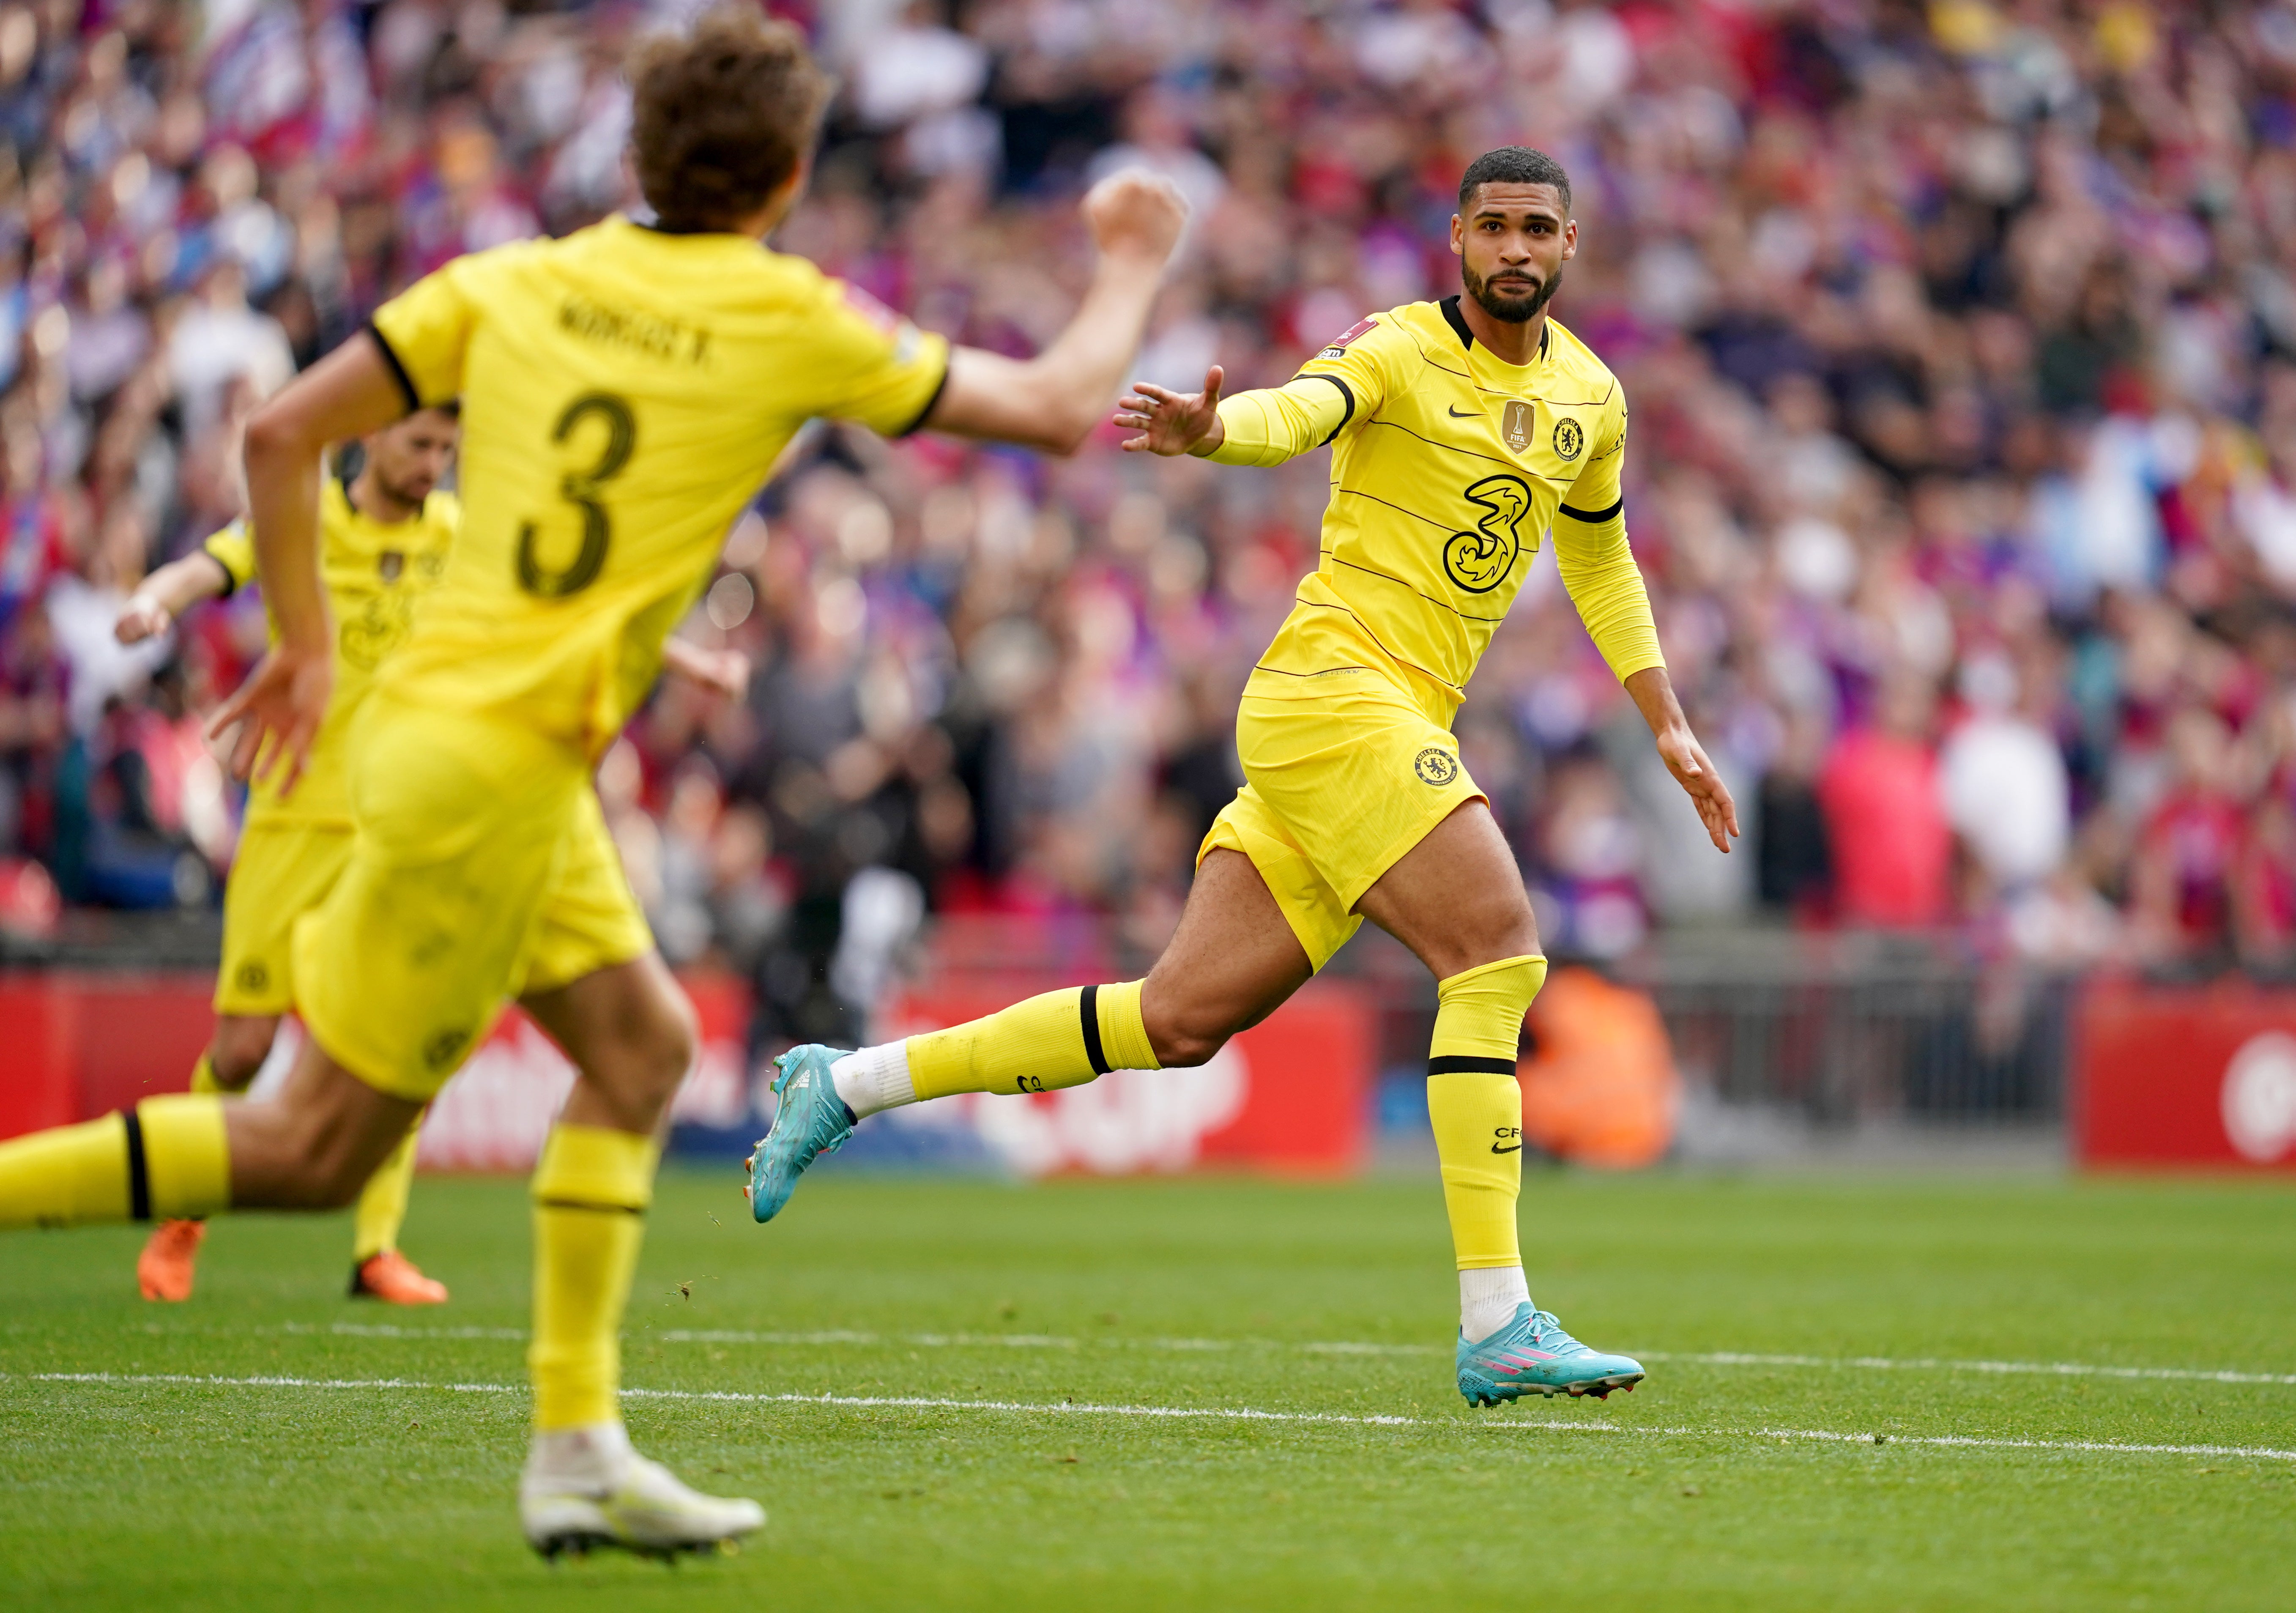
(139, 1176)
(398, 370)
(1347, 392)
(939, 386)
(1466, 1064)
(230, 583)
(1456, 320)
(1090, 1001)
(1593, 517)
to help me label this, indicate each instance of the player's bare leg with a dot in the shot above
(168, 1264)
(1232, 962)
(630, 1032)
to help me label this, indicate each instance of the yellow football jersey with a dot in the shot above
(625, 391)
(1448, 467)
(374, 572)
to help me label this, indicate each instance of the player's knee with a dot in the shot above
(1185, 1038)
(1499, 930)
(324, 1178)
(661, 1046)
(677, 1041)
(239, 1050)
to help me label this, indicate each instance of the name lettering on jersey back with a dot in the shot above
(656, 335)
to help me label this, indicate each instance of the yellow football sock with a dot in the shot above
(1475, 1105)
(1062, 1038)
(167, 1158)
(383, 1204)
(591, 1191)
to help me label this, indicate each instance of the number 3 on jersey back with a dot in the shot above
(581, 489)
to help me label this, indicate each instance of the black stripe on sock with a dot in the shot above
(139, 1178)
(1092, 1050)
(590, 1204)
(1469, 1064)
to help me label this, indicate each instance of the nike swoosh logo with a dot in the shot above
(1497, 1149)
(1466, 414)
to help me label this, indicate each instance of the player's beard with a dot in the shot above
(1510, 309)
(407, 494)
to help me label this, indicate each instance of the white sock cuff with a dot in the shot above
(875, 1078)
(1488, 1297)
(595, 1453)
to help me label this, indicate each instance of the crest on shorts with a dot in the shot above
(441, 1051)
(1514, 425)
(393, 563)
(253, 977)
(1435, 766)
(1570, 438)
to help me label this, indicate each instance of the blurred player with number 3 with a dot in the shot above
(624, 391)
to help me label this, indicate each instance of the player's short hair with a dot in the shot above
(1514, 164)
(721, 116)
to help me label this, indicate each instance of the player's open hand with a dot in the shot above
(1686, 760)
(1135, 214)
(277, 712)
(724, 672)
(142, 618)
(1172, 422)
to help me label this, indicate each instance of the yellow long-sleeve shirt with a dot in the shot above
(1447, 468)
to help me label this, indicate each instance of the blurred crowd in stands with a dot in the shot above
(1960, 339)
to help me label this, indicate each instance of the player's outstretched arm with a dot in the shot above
(350, 392)
(1172, 422)
(167, 594)
(1684, 758)
(1054, 400)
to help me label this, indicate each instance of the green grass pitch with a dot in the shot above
(344, 1469)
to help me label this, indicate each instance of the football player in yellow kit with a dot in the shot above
(385, 535)
(1462, 431)
(624, 391)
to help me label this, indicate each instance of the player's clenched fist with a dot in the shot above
(142, 618)
(1135, 213)
(1172, 422)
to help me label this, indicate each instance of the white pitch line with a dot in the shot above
(1199, 1414)
(2055, 1369)
(1054, 1341)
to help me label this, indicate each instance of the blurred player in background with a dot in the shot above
(385, 534)
(1462, 430)
(624, 391)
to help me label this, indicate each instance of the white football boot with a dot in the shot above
(586, 1487)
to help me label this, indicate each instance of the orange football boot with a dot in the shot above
(395, 1279)
(170, 1260)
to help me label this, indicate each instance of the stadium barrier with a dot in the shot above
(2186, 1075)
(1848, 1030)
(1761, 1045)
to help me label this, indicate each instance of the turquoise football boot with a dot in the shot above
(1533, 1355)
(811, 1120)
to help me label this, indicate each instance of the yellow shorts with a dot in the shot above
(1339, 787)
(283, 870)
(482, 871)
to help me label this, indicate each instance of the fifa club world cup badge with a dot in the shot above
(1515, 426)
(1570, 438)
